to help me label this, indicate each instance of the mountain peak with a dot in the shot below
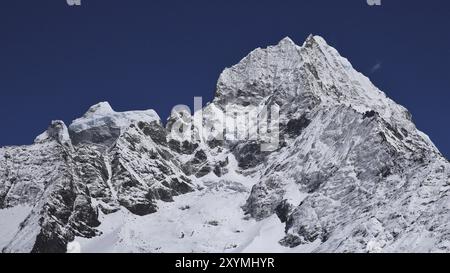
(286, 40)
(56, 131)
(100, 108)
(311, 39)
(315, 40)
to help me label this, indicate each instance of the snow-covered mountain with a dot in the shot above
(351, 172)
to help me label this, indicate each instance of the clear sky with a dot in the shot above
(57, 60)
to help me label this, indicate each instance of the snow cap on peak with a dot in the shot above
(286, 44)
(101, 108)
(56, 131)
(102, 125)
(286, 41)
(314, 39)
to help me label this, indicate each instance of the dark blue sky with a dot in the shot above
(56, 60)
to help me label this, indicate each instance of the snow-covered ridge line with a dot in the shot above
(351, 173)
(102, 114)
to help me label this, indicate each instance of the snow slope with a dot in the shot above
(11, 218)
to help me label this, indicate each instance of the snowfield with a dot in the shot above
(11, 218)
(211, 220)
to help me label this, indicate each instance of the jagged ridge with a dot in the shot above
(352, 172)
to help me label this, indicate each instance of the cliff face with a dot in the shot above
(349, 171)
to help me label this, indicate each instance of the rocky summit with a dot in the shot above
(350, 173)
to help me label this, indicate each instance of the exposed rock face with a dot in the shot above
(351, 173)
(359, 154)
(103, 161)
(43, 176)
